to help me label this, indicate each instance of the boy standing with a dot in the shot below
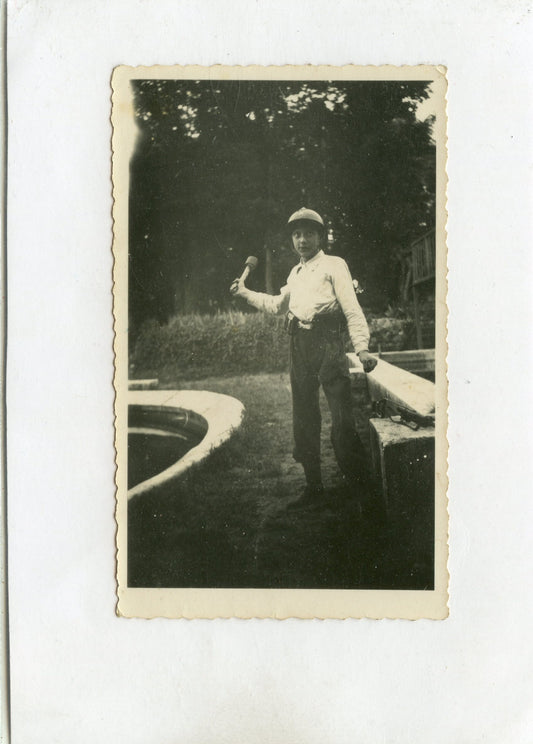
(319, 299)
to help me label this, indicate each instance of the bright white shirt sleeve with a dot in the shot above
(274, 304)
(341, 281)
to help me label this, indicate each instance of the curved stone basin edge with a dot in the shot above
(223, 414)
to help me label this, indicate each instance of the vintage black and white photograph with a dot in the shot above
(280, 316)
(215, 216)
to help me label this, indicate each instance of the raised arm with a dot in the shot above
(274, 304)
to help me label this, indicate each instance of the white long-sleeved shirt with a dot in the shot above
(318, 286)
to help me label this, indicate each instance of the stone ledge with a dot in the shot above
(400, 386)
(404, 461)
(397, 385)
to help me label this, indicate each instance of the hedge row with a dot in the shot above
(234, 342)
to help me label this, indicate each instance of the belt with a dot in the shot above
(326, 322)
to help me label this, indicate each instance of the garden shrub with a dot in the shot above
(227, 343)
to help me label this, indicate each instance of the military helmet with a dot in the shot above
(306, 215)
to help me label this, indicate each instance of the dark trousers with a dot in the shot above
(317, 358)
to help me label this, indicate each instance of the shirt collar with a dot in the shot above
(312, 260)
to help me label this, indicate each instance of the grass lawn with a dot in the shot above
(226, 523)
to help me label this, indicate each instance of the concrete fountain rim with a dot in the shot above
(223, 414)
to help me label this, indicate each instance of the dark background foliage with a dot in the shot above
(220, 165)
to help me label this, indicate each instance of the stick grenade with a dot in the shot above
(250, 264)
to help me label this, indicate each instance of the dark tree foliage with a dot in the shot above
(220, 165)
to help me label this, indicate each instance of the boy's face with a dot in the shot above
(306, 241)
